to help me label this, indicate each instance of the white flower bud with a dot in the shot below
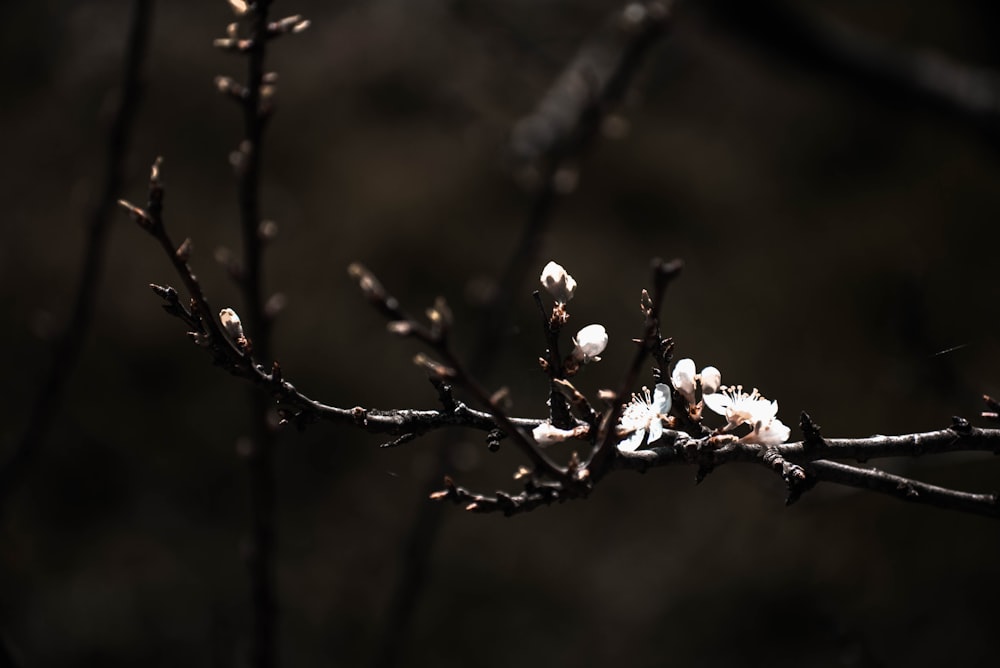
(590, 342)
(558, 282)
(546, 433)
(683, 378)
(231, 323)
(711, 379)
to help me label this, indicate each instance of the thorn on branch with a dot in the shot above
(445, 394)
(810, 431)
(960, 425)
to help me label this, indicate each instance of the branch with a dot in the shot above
(970, 94)
(294, 406)
(802, 465)
(69, 345)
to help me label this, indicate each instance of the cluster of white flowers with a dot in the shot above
(644, 415)
(588, 344)
(643, 419)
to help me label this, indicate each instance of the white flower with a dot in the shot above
(739, 408)
(644, 416)
(711, 378)
(772, 432)
(231, 323)
(558, 282)
(684, 379)
(590, 342)
(546, 433)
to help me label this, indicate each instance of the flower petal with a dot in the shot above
(655, 430)
(661, 399)
(633, 441)
(683, 378)
(718, 402)
(774, 432)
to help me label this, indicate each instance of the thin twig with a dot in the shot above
(622, 65)
(651, 343)
(674, 448)
(68, 346)
(255, 97)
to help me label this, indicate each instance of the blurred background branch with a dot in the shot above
(68, 345)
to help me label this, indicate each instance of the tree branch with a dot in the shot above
(69, 345)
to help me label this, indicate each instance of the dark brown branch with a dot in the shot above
(802, 466)
(807, 38)
(905, 489)
(651, 343)
(67, 348)
(256, 106)
(673, 448)
(295, 406)
(451, 370)
(589, 116)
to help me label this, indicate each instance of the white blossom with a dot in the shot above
(772, 432)
(231, 323)
(589, 343)
(547, 433)
(683, 378)
(558, 282)
(711, 379)
(643, 416)
(738, 407)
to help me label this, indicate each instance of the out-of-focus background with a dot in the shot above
(838, 241)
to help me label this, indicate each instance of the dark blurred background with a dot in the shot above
(838, 237)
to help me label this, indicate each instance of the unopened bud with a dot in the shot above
(231, 323)
(711, 379)
(683, 378)
(590, 342)
(558, 283)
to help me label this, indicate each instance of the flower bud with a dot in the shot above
(231, 323)
(558, 283)
(711, 379)
(546, 433)
(590, 342)
(683, 378)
